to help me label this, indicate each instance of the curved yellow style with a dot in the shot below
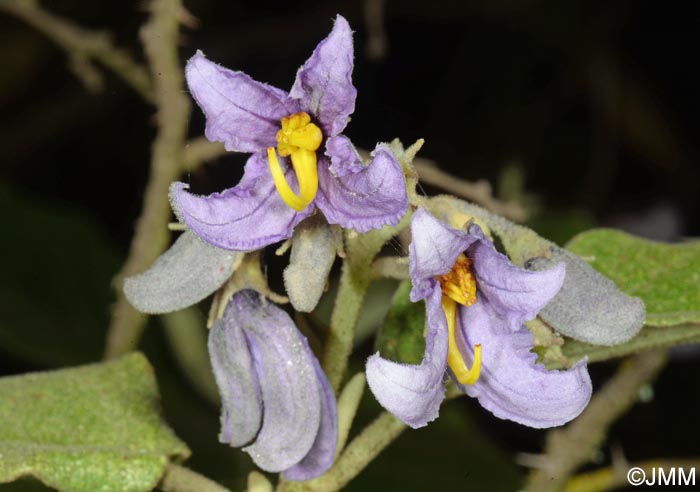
(298, 139)
(462, 372)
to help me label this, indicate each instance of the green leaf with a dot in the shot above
(666, 276)
(56, 282)
(95, 428)
(401, 337)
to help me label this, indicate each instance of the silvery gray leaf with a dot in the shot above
(589, 307)
(313, 253)
(185, 274)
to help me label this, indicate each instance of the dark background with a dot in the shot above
(594, 105)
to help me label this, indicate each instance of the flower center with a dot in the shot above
(298, 139)
(459, 287)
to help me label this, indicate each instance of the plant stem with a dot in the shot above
(359, 453)
(180, 479)
(354, 281)
(160, 38)
(569, 448)
(615, 476)
(81, 45)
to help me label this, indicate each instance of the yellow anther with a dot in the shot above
(460, 284)
(298, 139)
(462, 372)
(298, 133)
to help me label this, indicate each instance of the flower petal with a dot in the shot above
(288, 384)
(182, 276)
(324, 83)
(520, 293)
(247, 217)
(320, 457)
(413, 393)
(512, 386)
(241, 400)
(241, 112)
(368, 199)
(344, 156)
(433, 251)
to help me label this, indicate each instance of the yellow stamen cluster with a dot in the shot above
(459, 287)
(298, 139)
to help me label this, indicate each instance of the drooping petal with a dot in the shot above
(365, 200)
(247, 217)
(433, 251)
(344, 156)
(512, 386)
(313, 254)
(324, 83)
(242, 113)
(413, 393)
(288, 384)
(182, 276)
(520, 293)
(241, 400)
(320, 457)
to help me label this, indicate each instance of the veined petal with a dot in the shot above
(512, 386)
(247, 217)
(241, 400)
(241, 112)
(288, 383)
(520, 293)
(324, 83)
(182, 276)
(369, 199)
(413, 393)
(433, 251)
(322, 452)
(344, 157)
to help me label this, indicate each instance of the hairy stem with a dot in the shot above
(359, 453)
(569, 448)
(160, 37)
(181, 479)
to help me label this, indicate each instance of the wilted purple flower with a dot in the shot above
(303, 125)
(450, 267)
(276, 400)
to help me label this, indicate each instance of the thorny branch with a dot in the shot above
(159, 37)
(569, 448)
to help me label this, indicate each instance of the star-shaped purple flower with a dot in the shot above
(276, 400)
(476, 303)
(303, 126)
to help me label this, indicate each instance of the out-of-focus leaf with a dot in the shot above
(401, 337)
(665, 276)
(95, 428)
(55, 285)
(589, 307)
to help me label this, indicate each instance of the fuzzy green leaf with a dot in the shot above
(666, 276)
(95, 428)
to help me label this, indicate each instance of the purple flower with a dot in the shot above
(303, 126)
(476, 303)
(276, 399)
